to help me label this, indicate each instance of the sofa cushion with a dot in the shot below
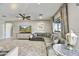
(37, 39)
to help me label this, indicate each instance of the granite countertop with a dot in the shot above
(62, 50)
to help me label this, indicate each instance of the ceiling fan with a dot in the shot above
(24, 16)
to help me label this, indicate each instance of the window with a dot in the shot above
(57, 26)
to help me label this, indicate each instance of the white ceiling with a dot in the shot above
(32, 9)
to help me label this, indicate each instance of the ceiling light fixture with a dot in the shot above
(40, 16)
(4, 16)
(38, 3)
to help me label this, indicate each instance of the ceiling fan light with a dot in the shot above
(19, 18)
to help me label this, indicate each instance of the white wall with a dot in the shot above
(35, 27)
(74, 18)
(1, 29)
(45, 24)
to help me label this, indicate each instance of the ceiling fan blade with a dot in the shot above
(21, 15)
(28, 16)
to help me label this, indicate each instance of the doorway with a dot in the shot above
(8, 30)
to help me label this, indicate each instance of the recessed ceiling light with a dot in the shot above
(38, 3)
(40, 16)
(3, 15)
(13, 6)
